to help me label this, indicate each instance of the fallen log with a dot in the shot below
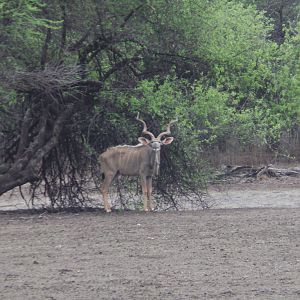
(246, 171)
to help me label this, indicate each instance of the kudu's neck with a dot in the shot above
(154, 160)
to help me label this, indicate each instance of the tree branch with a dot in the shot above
(45, 48)
(27, 167)
(23, 142)
(63, 33)
(131, 13)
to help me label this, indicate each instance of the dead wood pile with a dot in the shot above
(244, 172)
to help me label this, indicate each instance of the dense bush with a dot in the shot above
(74, 76)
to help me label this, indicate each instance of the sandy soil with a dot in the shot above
(212, 254)
(273, 193)
(248, 253)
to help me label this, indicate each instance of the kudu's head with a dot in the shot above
(156, 142)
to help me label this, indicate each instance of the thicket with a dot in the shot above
(74, 75)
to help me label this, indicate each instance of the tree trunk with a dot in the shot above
(28, 163)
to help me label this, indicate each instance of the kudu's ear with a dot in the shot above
(143, 140)
(168, 140)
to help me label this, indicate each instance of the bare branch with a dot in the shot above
(119, 65)
(24, 133)
(47, 81)
(63, 33)
(45, 48)
(131, 13)
(27, 168)
(75, 46)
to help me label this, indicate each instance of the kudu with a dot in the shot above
(142, 160)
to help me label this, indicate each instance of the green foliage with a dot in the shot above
(22, 27)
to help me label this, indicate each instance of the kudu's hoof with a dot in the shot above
(149, 209)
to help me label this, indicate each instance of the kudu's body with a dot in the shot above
(142, 160)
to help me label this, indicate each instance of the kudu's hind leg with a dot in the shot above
(104, 190)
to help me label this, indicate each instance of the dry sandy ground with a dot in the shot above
(272, 193)
(280, 193)
(212, 254)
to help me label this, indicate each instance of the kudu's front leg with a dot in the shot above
(104, 190)
(149, 193)
(145, 192)
(105, 201)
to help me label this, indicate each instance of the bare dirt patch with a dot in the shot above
(283, 192)
(214, 254)
(252, 252)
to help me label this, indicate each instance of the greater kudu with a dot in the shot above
(141, 160)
